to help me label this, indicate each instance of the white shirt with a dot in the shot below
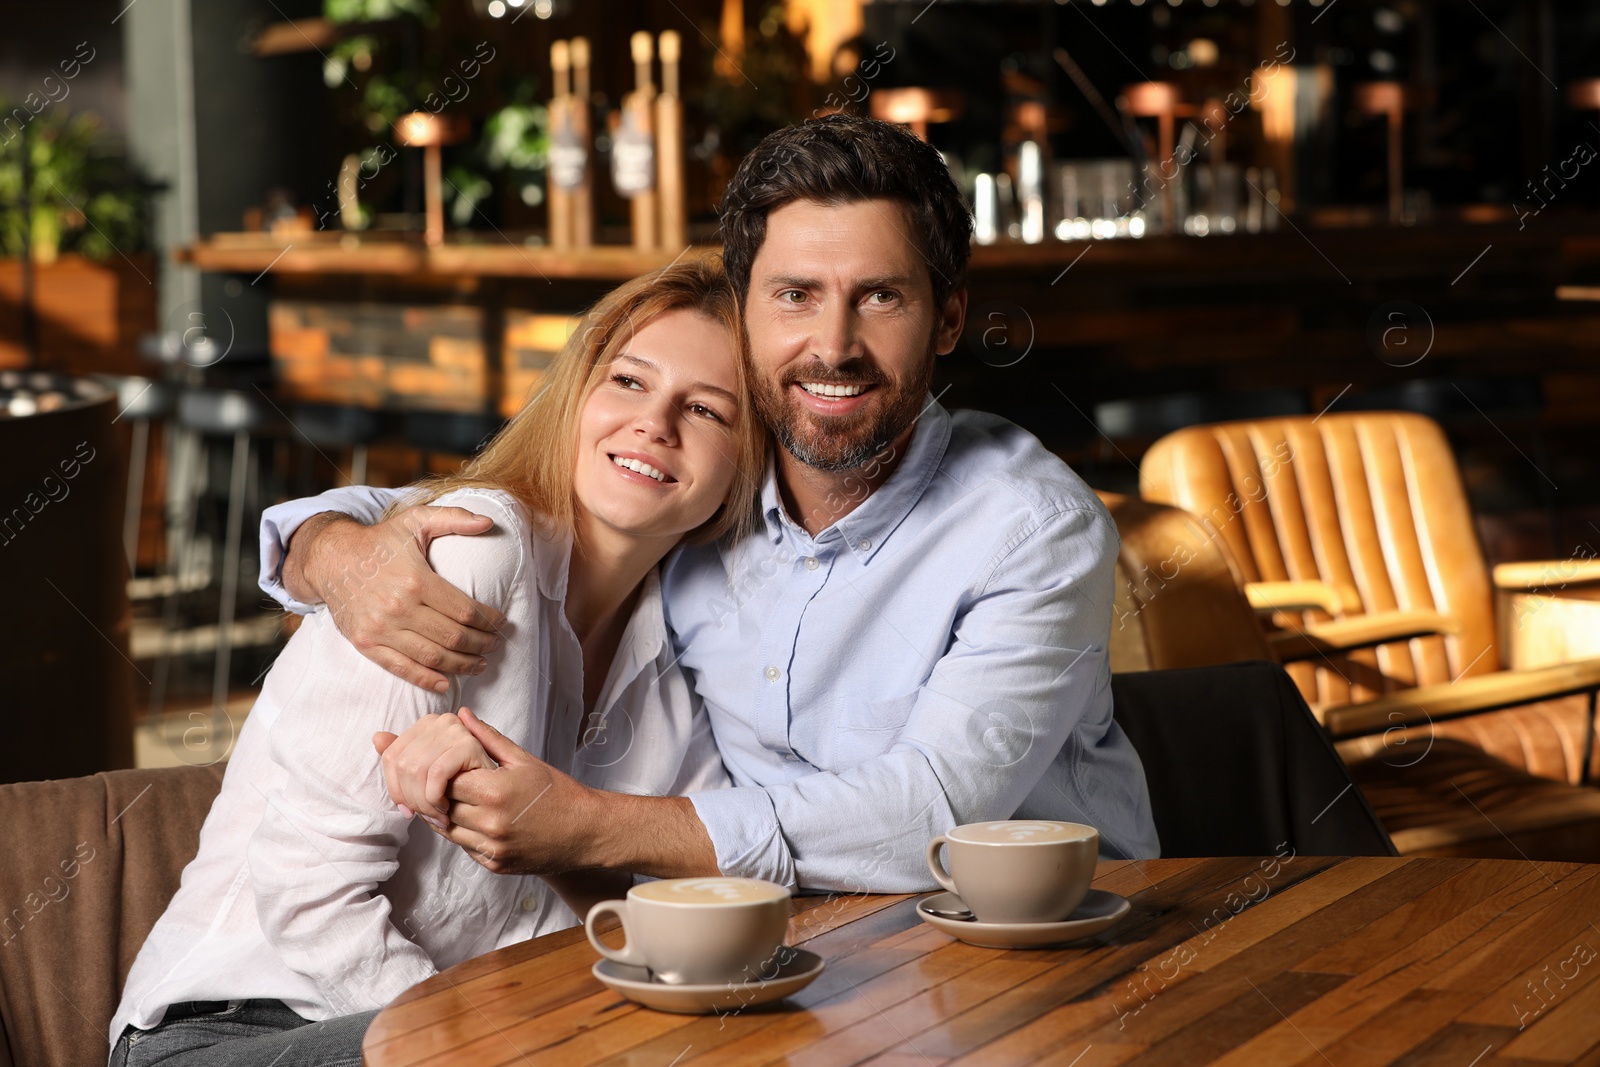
(309, 886)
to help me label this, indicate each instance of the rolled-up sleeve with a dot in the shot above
(746, 834)
(364, 503)
(1026, 667)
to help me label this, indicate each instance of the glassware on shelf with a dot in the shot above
(985, 209)
(1070, 223)
(1261, 203)
(1216, 197)
(1006, 195)
(1153, 195)
(994, 209)
(1031, 192)
(1096, 199)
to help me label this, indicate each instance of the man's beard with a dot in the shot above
(850, 441)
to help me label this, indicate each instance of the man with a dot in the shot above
(915, 637)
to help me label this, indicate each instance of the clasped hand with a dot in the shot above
(512, 812)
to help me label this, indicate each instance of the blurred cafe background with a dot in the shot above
(254, 249)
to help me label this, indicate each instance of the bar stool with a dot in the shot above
(339, 426)
(917, 107)
(1584, 94)
(454, 433)
(1162, 101)
(212, 413)
(1386, 99)
(140, 401)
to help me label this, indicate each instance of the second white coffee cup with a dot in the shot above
(1018, 871)
(698, 931)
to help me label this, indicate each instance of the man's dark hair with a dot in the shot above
(843, 159)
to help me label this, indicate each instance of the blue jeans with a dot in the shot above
(242, 1033)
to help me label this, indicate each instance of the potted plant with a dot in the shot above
(85, 196)
(88, 276)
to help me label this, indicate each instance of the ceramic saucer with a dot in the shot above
(1099, 911)
(635, 984)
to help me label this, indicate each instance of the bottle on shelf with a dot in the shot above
(566, 152)
(633, 152)
(669, 147)
(582, 193)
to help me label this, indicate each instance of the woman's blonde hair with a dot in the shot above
(533, 455)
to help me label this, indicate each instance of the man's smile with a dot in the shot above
(825, 389)
(827, 398)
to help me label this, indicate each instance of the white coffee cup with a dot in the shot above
(1018, 871)
(698, 931)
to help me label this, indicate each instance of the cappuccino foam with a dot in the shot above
(1021, 832)
(709, 891)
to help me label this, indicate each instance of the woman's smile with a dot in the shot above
(639, 465)
(662, 421)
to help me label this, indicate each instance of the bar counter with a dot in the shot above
(1237, 305)
(1056, 328)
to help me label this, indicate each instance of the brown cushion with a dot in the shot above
(90, 864)
(1452, 798)
(1545, 739)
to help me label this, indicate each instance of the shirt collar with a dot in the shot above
(646, 631)
(865, 529)
(550, 558)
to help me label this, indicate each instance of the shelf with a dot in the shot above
(322, 253)
(1377, 256)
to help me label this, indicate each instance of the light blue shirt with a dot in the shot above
(937, 656)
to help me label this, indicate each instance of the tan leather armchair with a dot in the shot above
(1369, 508)
(1180, 603)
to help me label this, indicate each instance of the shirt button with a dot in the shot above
(529, 903)
(773, 674)
(864, 545)
(811, 563)
(791, 757)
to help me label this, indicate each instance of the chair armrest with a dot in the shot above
(1465, 696)
(1357, 631)
(1545, 576)
(1298, 596)
(1540, 629)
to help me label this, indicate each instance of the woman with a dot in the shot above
(311, 903)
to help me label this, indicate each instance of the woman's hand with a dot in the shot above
(419, 764)
(519, 815)
(478, 789)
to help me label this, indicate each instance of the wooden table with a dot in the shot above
(1238, 961)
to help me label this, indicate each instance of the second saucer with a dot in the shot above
(1099, 911)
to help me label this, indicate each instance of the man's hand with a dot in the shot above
(523, 816)
(514, 813)
(418, 764)
(386, 599)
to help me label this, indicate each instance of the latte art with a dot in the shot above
(1022, 832)
(709, 891)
